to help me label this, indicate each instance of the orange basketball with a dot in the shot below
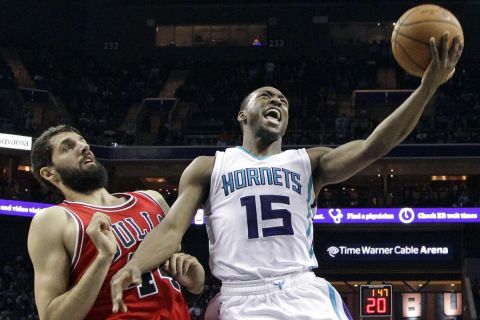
(412, 32)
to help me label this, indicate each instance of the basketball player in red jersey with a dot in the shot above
(78, 245)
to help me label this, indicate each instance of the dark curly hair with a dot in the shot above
(41, 155)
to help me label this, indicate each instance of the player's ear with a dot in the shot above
(49, 174)
(241, 116)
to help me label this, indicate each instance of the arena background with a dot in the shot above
(152, 84)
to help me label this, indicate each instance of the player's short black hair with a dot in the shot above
(41, 155)
(244, 103)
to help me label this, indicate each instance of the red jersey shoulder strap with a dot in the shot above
(80, 234)
(148, 197)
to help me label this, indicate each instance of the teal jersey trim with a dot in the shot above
(333, 300)
(252, 154)
(310, 214)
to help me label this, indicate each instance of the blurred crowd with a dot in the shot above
(429, 194)
(16, 289)
(99, 95)
(6, 76)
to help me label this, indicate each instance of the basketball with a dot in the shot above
(412, 33)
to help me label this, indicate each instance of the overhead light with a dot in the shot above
(449, 178)
(452, 284)
(155, 179)
(24, 168)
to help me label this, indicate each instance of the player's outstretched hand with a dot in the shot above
(187, 271)
(442, 66)
(124, 278)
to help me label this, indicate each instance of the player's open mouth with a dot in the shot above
(273, 114)
(88, 160)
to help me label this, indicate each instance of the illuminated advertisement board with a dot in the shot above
(388, 249)
(13, 141)
(323, 215)
(393, 251)
(21, 208)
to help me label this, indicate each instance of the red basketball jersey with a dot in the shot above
(159, 296)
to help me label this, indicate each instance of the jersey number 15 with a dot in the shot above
(268, 213)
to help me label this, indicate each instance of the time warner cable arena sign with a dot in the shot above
(393, 250)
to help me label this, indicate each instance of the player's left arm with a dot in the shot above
(186, 269)
(163, 204)
(339, 164)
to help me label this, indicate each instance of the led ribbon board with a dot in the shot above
(323, 215)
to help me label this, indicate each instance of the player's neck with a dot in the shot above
(99, 197)
(261, 148)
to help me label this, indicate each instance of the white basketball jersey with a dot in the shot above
(259, 215)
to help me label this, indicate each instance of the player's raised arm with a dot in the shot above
(335, 165)
(54, 297)
(165, 238)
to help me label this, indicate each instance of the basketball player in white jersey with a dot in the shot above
(260, 201)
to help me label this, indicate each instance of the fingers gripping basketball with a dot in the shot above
(412, 33)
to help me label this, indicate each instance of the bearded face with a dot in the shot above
(84, 179)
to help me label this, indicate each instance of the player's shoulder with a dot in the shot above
(157, 197)
(152, 193)
(202, 164)
(317, 152)
(200, 170)
(51, 216)
(204, 160)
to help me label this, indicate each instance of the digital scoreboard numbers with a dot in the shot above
(376, 300)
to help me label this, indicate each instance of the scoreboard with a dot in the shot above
(376, 300)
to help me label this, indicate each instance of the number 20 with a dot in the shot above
(268, 213)
(378, 305)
